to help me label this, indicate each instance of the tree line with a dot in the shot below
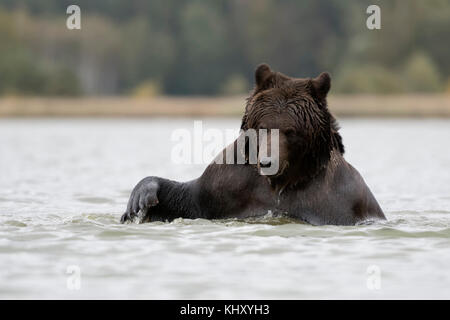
(204, 47)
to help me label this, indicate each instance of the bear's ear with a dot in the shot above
(321, 85)
(262, 73)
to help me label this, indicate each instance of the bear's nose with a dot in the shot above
(265, 162)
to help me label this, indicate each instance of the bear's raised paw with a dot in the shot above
(143, 197)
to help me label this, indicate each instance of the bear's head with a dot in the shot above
(307, 132)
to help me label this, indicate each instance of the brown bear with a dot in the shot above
(313, 182)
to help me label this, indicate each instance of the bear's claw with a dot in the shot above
(143, 197)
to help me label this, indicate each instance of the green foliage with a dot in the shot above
(422, 74)
(61, 82)
(149, 88)
(368, 79)
(234, 85)
(20, 74)
(212, 47)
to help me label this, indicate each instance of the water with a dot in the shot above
(64, 184)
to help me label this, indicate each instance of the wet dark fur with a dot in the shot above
(319, 186)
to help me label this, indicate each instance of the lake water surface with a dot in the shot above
(64, 184)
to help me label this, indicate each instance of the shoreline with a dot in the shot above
(414, 105)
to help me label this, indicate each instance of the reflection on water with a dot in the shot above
(64, 184)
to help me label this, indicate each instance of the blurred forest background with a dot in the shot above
(211, 47)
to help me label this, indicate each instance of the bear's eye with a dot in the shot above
(289, 132)
(261, 127)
